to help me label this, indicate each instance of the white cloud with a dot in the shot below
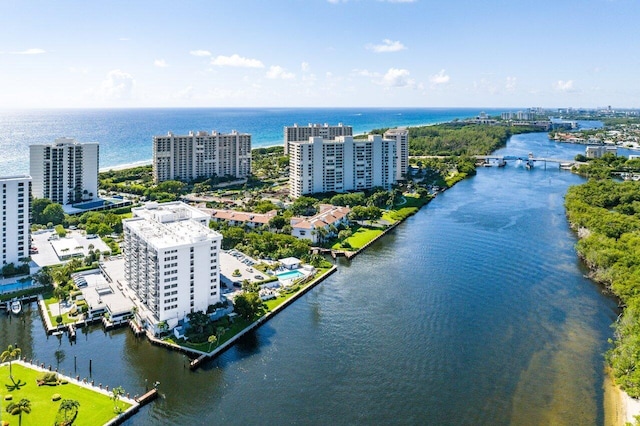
(29, 52)
(439, 78)
(510, 84)
(118, 85)
(400, 1)
(200, 53)
(305, 67)
(79, 70)
(564, 86)
(160, 63)
(236, 60)
(387, 46)
(396, 77)
(124, 39)
(276, 71)
(365, 73)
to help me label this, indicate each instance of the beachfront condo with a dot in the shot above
(201, 155)
(66, 171)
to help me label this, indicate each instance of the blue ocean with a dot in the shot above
(125, 135)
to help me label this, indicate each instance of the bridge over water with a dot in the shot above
(529, 160)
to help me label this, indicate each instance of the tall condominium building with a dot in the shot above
(201, 154)
(171, 260)
(66, 172)
(401, 136)
(16, 193)
(297, 133)
(342, 164)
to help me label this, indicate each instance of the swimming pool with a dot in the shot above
(8, 288)
(290, 275)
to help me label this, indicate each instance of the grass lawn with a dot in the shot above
(240, 323)
(359, 238)
(53, 315)
(95, 408)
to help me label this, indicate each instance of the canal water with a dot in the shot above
(474, 311)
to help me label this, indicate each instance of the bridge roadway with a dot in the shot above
(527, 158)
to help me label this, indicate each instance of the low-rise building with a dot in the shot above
(599, 150)
(236, 218)
(322, 225)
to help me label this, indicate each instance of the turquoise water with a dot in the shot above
(125, 135)
(290, 275)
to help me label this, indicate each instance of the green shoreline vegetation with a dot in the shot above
(45, 400)
(606, 215)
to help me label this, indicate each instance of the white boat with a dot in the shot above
(16, 307)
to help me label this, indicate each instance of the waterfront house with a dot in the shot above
(321, 225)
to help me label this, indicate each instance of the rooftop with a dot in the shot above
(170, 224)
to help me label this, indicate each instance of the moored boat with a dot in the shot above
(16, 307)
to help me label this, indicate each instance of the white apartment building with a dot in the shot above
(171, 260)
(16, 240)
(66, 171)
(343, 164)
(297, 133)
(201, 154)
(401, 136)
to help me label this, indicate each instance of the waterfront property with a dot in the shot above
(201, 155)
(297, 133)
(599, 150)
(322, 225)
(340, 165)
(401, 136)
(15, 212)
(66, 171)
(96, 403)
(171, 262)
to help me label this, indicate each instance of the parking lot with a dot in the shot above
(232, 260)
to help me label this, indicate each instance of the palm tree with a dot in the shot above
(61, 293)
(68, 405)
(17, 408)
(10, 354)
(116, 393)
(212, 339)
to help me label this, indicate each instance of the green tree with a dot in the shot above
(304, 206)
(38, 205)
(53, 213)
(68, 406)
(248, 305)
(18, 408)
(10, 354)
(198, 320)
(116, 393)
(277, 222)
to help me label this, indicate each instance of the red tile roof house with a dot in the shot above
(308, 227)
(235, 218)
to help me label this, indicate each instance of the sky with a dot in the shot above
(319, 53)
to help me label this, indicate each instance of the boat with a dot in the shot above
(16, 307)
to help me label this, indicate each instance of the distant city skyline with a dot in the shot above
(319, 53)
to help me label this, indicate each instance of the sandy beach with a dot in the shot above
(619, 408)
